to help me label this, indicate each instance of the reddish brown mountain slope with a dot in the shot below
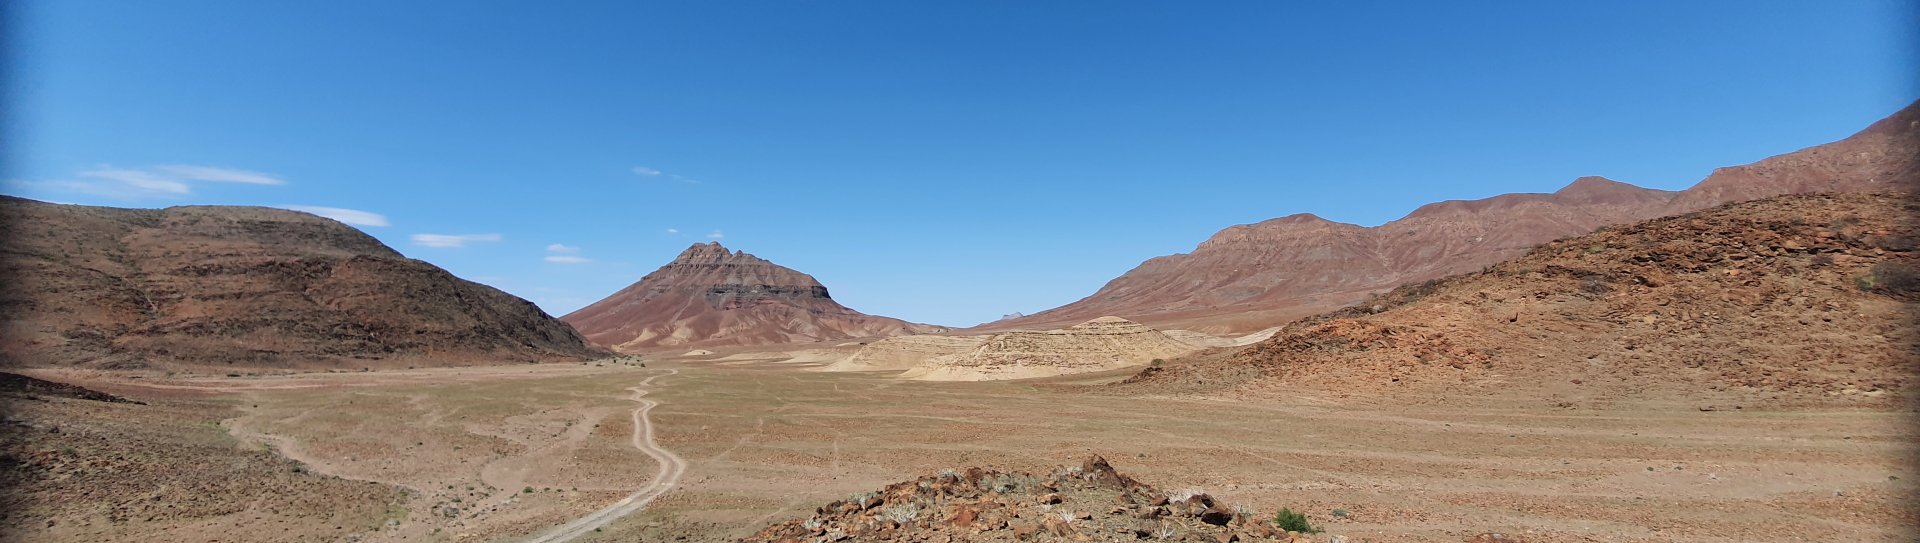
(1790, 299)
(710, 296)
(1253, 276)
(243, 286)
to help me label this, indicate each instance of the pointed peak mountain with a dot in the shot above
(712, 296)
(712, 252)
(703, 249)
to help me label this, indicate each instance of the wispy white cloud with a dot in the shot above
(170, 181)
(219, 175)
(644, 171)
(350, 216)
(716, 234)
(452, 240)
(673, 231)
(565, 254)
(135, 182)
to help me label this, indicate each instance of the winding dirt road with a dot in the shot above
(671, 468)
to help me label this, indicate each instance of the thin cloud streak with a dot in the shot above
(452, 241)
(219, 175)
(169, 181)
(139, 181)
(350, 216)
(644, 171)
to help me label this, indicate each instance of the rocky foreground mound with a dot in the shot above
(1091, 502)
(1254, 275)
(1100, 344)
(711, 296)
(222, 286)
(1793, 299)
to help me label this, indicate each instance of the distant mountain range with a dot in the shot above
(223, 286)
(1253, 276)
(1793, 299)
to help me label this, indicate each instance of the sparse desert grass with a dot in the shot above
(769, 442)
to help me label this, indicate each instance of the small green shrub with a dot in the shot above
(1894, 278)
(1290, 521)
(1156, 362)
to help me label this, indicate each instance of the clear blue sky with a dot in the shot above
(942, 163)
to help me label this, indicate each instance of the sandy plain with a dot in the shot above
(510, 453)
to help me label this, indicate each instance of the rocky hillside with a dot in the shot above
(711, 296)
(1090, 502)
(1786, 300)
(1253, 276)
(221, 287)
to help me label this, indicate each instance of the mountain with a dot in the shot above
(711, 296)
(1252, 276)
(222, 286)
(1792, 299)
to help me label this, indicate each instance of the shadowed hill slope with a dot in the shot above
(221, 286)
(1785, 300)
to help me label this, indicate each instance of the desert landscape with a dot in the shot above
(1737, 373)
(1730, 360)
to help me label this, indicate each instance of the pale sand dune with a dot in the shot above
(1101, 344)
(904, 352)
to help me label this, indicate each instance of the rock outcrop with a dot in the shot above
(1089, 502)
(711, 296)
(1257, 275)
(244, 287)
(1100, 344)
(1786, 300)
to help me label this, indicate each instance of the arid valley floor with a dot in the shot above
(505, 453)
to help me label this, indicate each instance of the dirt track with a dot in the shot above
(671, 468)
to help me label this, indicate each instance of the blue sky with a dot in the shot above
(943, 163)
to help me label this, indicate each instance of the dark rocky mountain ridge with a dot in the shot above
(224, 286)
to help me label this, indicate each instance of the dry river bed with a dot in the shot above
(512, 453)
